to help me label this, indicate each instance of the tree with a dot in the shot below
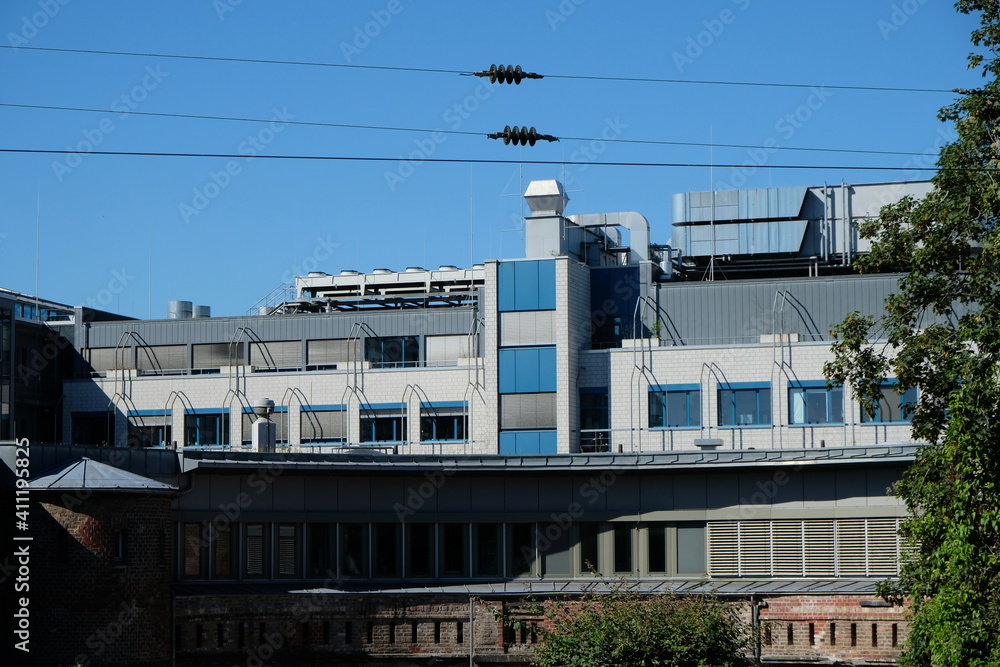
(625, 629)
(940, 332)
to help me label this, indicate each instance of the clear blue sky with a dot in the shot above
(106, 223)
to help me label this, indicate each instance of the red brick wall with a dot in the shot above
(247, 628)
(832, 628)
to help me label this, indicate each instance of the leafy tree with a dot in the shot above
(625, 629)
(940, 332)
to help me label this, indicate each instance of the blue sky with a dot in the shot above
(226, 231)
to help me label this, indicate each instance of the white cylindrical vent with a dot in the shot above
(179, 310)
(202, 311)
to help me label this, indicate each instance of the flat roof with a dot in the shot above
(354, 460)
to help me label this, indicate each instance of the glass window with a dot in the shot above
(392, 352)
(622, 533)
(149, 431)
(454, 553)
(486, 549)
(656, 547)
(691, 549)
(387, 556)
(442, 423)
(317, 426)
(892, 406)
(206, 429)
(674, 406)
(813, 403)
(320, 561)
(744, 404)
(354, 550)
(383, 426)
(280, 419)
(193, 562)
(590, 552)
(553, 546)
(520, 549)
(594, 433)
(420, 550)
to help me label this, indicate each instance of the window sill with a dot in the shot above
(740, 427)
(675, 428)
(818, 425)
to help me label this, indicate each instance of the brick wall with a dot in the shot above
(395, 629)
(93, 607)
(249, 629)
(831, 629)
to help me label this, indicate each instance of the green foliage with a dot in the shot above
(941, 332)
(625, 629)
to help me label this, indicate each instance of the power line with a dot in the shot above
(456, 132)
(471, 73)
(357, 158)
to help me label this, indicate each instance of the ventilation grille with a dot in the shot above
(804, 548)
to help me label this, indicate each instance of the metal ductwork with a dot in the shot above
(635, 223)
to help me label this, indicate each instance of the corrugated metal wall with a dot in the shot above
(411, 322)
(708, 313)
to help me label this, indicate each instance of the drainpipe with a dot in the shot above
(472, 631)
(846, 256)
(755, 606)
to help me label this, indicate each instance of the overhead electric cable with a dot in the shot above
(457, 132)
(356, 158)
(302, 63)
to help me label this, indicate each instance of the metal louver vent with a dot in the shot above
(804, 548)
(286, 551)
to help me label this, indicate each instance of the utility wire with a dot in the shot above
(356, 158)
(458, 132)
(469, 73)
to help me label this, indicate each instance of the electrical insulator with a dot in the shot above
(508, 74)
(522, 136)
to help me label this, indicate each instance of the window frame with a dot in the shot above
(759, 390)
(660, 394)
(830, 394)
(910, 396)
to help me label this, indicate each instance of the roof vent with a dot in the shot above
(546, 198)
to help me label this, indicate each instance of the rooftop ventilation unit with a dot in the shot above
(546, 198)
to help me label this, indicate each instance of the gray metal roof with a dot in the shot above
(723, 587)
(85, 474)
(229, 459)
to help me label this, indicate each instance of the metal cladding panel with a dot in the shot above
(283, 327)
(721, 312)
(727, 205)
